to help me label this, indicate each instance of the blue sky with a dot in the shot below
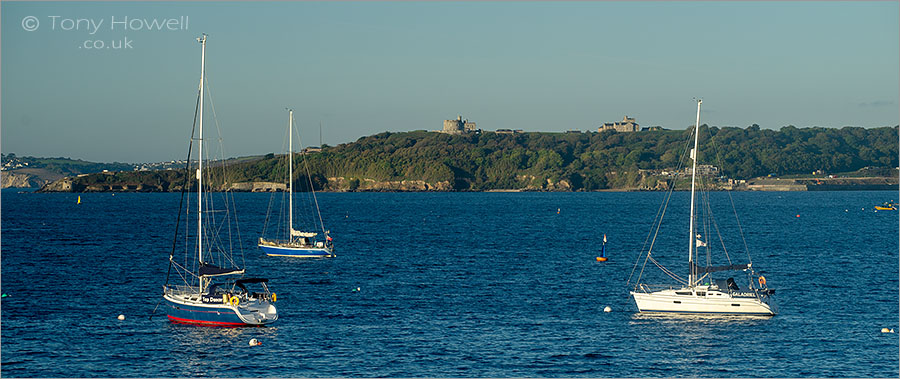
(361, 68)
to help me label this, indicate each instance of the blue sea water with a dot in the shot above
(452, 285)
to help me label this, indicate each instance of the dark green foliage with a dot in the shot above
(568, 161)
(586, 161)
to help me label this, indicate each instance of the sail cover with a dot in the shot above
(707, 269)
(210, 270)
(297, 233)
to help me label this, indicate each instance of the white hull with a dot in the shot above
(711, 302)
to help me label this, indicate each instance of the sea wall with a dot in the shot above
(258, 187)
(341, 183)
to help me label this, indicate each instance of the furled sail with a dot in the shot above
(297, 233)
(210, 270)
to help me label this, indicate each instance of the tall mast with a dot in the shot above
(202, 41)
(291, 175)
(694, 154)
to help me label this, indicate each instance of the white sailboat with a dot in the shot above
(297, 243)
(212, 290)
(700, 293)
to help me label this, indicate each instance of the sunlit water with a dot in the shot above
(453, 284)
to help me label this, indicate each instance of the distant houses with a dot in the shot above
(463, 126)
(703, 169)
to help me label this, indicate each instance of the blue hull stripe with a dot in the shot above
(295, 252)
(215, 315)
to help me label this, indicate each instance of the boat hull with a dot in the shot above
(714, 302)
(297, 252)
(190, 312)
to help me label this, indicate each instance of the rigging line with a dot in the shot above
(668, 272)
(661, 210)
(272, 196)
(183, 187)
(659, 216)
(719, 234)
(154, 309)
(707, 219)
(311, 187)
(731, 198)
(644, 246)
(228, 194)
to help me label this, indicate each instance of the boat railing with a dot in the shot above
(643, 287)
(181, 290)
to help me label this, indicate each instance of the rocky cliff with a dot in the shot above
(16, 179)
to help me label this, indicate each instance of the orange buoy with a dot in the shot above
(798, 216)
(601, 259)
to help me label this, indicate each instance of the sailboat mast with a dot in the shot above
(291, 175)
(694, 154)
(202, 41)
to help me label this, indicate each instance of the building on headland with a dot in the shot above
(626, 125)
(703, 169)
(458, 126)
(508, 131)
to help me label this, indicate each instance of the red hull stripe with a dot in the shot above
(215, 323)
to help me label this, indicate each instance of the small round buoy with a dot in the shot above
(798, 216)
(885, 330)
(255, 342)
(121, 317)
(607, 309)
(356, 289)
(557, 210)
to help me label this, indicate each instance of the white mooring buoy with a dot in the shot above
(255, 342)
(121, 317)
(607, 309)
(886, 330)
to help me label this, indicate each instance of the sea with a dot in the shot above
(456, 285)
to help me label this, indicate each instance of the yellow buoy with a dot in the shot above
(79, 200)
(601, 259)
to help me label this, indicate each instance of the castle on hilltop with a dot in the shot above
(626, 125)
(458, 126)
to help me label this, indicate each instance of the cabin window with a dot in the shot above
(701, 293)
(735, 305)
(677, 302)
(683, 293)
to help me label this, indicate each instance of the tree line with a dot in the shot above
(586, 161)
(575, 161)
